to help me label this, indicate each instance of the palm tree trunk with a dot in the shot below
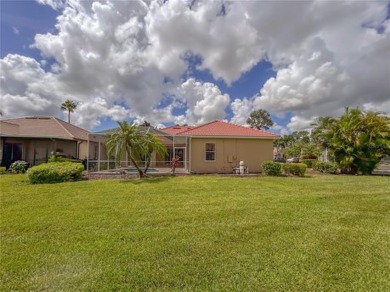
(140, 172)
(69, 116)
(148, 162)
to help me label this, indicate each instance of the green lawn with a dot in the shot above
(197, 233)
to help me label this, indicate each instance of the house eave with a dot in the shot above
(39, 137)
(230, 137)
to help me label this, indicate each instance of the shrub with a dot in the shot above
(325, 167)
(309, 162)
(297, 169)
(54, 158)
(55, 172)
(271, 168)
(19, 166)
(3, 170)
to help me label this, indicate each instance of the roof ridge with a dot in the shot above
(220, 128)
(6, 121)
(242, 126)
(197, 127)
(59, 122)
(179, 126)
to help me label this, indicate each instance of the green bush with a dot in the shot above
(54, 158)
(297, 169)
(55, 172)
(325, 167)
(309, 162)
(19, 166)
(271, 168)
(3, 170)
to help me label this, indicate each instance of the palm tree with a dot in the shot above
(358, 139)
(70, 106)
(322, 135)
(136, 144)
(151, 143)
(124, 140)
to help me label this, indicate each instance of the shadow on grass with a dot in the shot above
(146, 180)
(299, 177)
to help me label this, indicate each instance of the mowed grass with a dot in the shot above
(197, 233)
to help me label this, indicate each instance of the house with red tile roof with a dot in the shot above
(219, 147)
(34, 139)
(215, 147)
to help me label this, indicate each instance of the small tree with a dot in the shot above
(260, 119)
(70, 106)
(297, 144)
(137, 144)
(151, 143)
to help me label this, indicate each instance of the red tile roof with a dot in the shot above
(42, 127)
(223, 129)
(174, 130)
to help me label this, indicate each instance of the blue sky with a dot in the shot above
(20, 22)
(175, 63)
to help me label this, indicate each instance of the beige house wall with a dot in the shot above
(229, 152)
(93, 152)
(43, 148)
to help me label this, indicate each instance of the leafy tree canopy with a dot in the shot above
(260, 119)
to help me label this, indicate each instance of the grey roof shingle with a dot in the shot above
(41, 127)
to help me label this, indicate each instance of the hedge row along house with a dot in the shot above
(215, 147)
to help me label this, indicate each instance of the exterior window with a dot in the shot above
(210, 151)
(95, 154)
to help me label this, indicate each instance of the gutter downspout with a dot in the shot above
(78, 149)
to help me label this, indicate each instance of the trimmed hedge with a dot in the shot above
(55, 172)
(297, 169)
(271, 168)
(326, 167)
(54, 158)
(309, 162)
(3, 170)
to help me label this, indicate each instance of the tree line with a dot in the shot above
(356, 141)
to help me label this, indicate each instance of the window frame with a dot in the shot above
(210, 151)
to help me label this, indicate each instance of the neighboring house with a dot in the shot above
(34, 139)
(218, 147)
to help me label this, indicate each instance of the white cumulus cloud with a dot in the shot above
(204, 101)
(128, 59)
